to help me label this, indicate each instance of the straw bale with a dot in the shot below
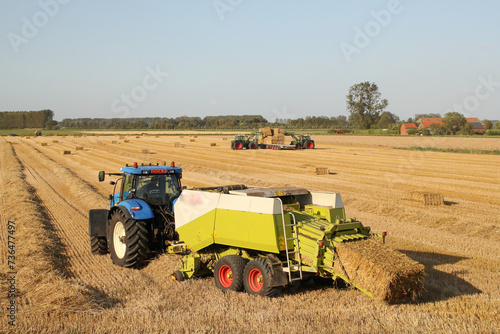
(126, 141)
(145, 151)
(425, 197)
(44, 144)
(79, 148)
(318, 170)
(55, 141)
(177, 144)
(267, 131)
(224, 138)
(389, 275)
(213, 144)
(192, 140)
(66, 152)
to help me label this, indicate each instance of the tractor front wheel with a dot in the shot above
(257, 278)
(238, 145)
(128, 242)
(253, 146)
(228, 273)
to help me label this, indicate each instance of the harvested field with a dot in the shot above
(63, 288)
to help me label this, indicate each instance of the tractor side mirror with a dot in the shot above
(102, 175)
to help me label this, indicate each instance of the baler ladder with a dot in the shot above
(295, 238)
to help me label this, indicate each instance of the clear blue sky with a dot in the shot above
(279, 59)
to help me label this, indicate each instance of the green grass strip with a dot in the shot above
(449, 150)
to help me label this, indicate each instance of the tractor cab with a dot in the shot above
(156, 185)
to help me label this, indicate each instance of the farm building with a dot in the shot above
(407, 126)
(477, 125)
(425, 122)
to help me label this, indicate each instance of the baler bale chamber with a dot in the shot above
(262, 239)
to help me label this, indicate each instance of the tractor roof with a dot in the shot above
(144, 170)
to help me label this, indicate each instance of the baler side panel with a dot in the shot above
(195, 214)
(250, 222)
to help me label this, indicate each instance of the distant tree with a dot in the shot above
(418, 116)
(387, 120)
(454, 122)
(437, 129)
(496, 125)
(488, 125)
(365, 105)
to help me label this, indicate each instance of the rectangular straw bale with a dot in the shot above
(177, 144)
(55, 141)
(318, 170)
(44, 144)
(267, 131)
(388, 274)
(126, 141)
(213, 144)
(145, 151)
(66, 152)
(113, 142)
(424, 197)
(79, 148)
(192, 140)
(224, 138)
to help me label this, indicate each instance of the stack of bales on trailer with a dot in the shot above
(272, 136)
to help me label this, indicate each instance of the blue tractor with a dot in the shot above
(140, 220)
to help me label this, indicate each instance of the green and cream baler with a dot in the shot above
(262, 239)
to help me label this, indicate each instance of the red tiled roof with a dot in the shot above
(427, 124)
(409, 126)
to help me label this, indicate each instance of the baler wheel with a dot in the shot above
(128, 242)
(238, 145)
(98, 245)
(177, 276)
(257, 278)
(228, 273)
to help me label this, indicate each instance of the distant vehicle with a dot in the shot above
(38, 133)
(14, 135)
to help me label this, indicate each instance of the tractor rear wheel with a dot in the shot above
(98, 245)
(309, 144)
(128, 241)
(257, 278)
(228, 273)
(238, 145)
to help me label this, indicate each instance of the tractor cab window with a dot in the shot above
(127, 185)
(157, 189)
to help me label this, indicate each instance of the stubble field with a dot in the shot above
(61, 287)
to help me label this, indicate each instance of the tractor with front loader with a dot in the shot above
(258, 240)
(301, 141)
(242, 141)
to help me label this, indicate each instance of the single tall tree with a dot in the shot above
(365, 105)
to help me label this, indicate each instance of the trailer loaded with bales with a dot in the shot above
(252, 239)
(272, 139)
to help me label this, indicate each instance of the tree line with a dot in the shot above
(26, 119)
